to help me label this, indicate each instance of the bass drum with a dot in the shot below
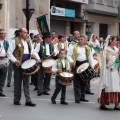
(30, 67)
(86, 72)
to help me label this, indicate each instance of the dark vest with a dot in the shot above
(42, 52)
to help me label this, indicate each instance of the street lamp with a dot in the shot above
(28, 10)
(1, 3)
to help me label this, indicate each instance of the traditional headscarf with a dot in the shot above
(103, 76)
(91, 42)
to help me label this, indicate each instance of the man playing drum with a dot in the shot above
(19, 51)
(43, 51)
(61, 65)
(3, 60)
(79, 54)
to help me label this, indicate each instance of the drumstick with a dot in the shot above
(63, 73)
(49, 55)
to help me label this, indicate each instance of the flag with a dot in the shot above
(118, 12)
(42, 24)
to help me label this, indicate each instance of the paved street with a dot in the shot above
(47, 111)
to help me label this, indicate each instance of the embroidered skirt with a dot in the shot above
(109, 97)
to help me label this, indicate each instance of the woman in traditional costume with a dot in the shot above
(109, 88)
(94, 43)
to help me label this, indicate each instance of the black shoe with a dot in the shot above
(84, 100)
(2, 95)
(31, 83)
(64, 103)
(48, 89)
(90, 93)
(53, 101)
(77, 101)
(8, 85)
(115, 108)
(46, 93)
(36, 88)
(30, 104)
(103, 107)
(17, 103)
(39, 93)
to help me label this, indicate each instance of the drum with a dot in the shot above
(96, 65)
(66, 78)
(4, 62)
(86, 72)
(30, 67)
(47, 65)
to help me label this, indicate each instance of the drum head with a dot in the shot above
(66, 74)
(82, 67)
(28, 64)
(48, 63)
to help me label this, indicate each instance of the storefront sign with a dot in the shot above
(69, 13)
(62, 12)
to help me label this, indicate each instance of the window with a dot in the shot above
(89, 29)
(110, 2)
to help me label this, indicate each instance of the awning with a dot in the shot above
(68, 19)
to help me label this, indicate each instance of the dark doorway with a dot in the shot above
(72, 28)
(103, 30)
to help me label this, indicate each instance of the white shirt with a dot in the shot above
(12, 48)
(47, 49)
(37, 49)
(81, 54)
(56, 47)
(54, 68)
(2, 50)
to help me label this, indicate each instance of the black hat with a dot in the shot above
(61, 36)
(47, 34)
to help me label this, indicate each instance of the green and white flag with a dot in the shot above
(42, 24)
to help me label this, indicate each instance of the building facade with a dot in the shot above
(68, 16)
(87, 16)
(102, 17)
(13, 17)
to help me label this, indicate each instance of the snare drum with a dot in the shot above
(66, 78)
(30, 67)
(47, 65)
(4, 62)
(86, 72)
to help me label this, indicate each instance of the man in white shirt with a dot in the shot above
(62, 43)
(3, 60)
(43, 51)
(78, 55)
(19, 51)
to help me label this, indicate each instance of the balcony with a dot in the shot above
(78, 1)
(101, 9)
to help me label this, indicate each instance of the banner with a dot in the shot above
(42, 25)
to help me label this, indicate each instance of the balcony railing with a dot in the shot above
(78, 1)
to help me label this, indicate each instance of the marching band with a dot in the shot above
(74, 60)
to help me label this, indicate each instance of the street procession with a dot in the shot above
(59, 64)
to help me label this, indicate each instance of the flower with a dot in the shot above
(19, 45)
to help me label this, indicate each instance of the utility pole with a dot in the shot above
(27, 15)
